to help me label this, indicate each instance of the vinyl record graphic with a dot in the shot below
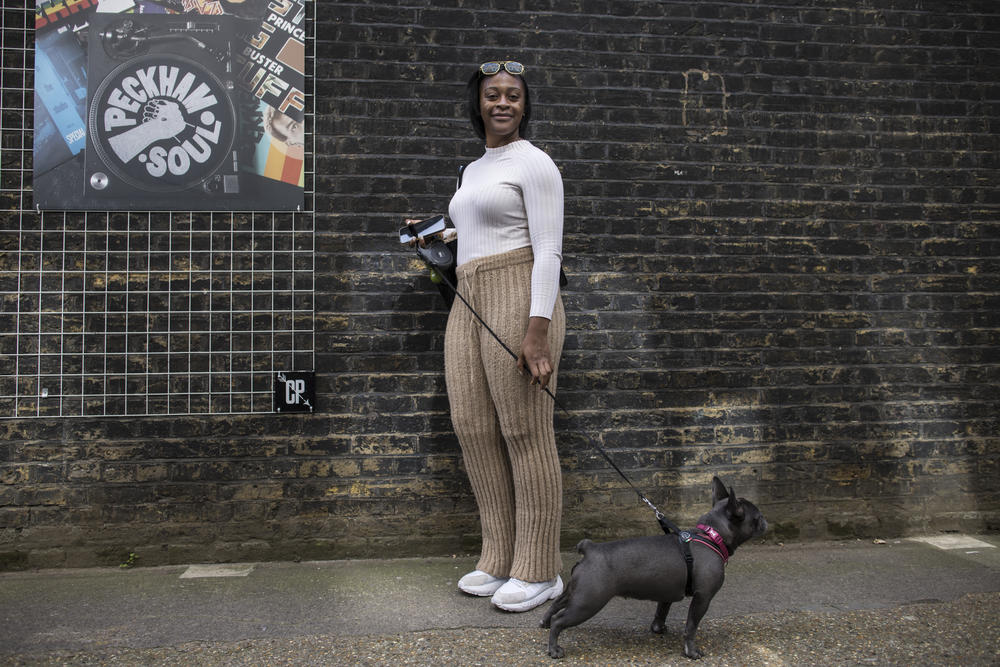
(161, 123)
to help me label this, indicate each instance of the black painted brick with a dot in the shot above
(794, 285)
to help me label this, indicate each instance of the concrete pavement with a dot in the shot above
(99, 616)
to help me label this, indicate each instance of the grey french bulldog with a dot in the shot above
(653, 568)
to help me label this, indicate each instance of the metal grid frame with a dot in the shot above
(143, 313)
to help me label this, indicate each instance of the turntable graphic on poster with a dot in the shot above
(184, 111)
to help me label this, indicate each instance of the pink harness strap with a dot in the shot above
(714, 541)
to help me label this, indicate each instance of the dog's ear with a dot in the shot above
(734, 507)
(718, 491)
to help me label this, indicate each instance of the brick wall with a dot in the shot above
(783, 246)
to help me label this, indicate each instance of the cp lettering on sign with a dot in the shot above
(294, 391)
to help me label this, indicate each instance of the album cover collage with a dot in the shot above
(162, 105)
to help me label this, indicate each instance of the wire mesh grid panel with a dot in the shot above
(151, 313)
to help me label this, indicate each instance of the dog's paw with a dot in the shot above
(556, 652)
(656, 628)
(693, 653)
(545, 623)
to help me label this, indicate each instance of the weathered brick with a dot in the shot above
(781, 233)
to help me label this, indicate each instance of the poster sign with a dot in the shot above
(294, 391)
(173, 105)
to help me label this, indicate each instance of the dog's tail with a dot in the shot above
(582, 546)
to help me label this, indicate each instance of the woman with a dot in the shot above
(509, 216)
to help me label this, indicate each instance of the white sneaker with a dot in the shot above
(479, 583)
(517, 595)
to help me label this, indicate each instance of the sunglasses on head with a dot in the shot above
(494, 66)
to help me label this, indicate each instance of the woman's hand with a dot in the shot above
(535, 354)
(447, 235)
(414, 241)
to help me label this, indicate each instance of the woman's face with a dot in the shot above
(501, 104)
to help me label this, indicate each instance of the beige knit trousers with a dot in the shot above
(503, 423)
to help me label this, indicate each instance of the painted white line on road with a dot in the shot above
(205, 571)
(954, 542)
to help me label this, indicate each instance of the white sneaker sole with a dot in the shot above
(531, 603)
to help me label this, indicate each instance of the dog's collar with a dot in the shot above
(710, 538)
(714, 541)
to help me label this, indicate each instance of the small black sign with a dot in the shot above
(295, 391)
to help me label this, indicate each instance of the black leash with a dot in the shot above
(669, 527)
(666, 524)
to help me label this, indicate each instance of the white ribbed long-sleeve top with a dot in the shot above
(510, 198)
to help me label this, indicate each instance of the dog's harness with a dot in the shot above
(708, 536)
